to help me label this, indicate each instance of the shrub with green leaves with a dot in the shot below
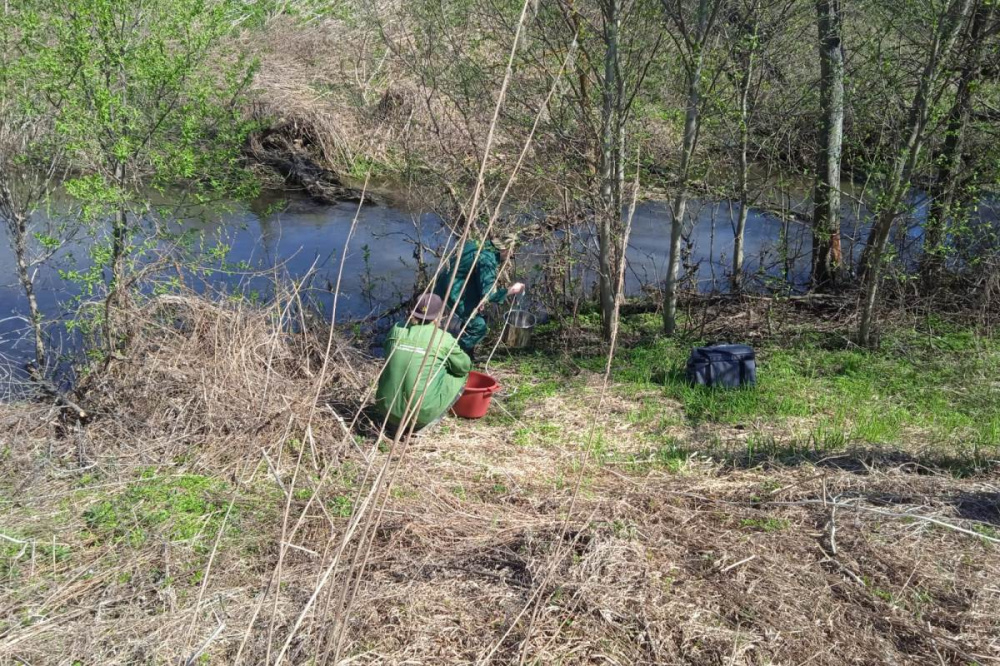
(142, 97)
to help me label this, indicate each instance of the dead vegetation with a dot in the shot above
(223, 380)
(200, 517)
(321, 92)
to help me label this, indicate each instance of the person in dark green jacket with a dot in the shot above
(476, 285)
(423, 359)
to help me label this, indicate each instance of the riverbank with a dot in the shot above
(846, 510)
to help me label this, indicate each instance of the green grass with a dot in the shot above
(13, 556)
(986, 530)
(341, 506)
(766, 524)
(935, 386)
(516, 398)
(543, 434)
(187, 508)
(669, 457)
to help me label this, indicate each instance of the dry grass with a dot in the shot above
(299, 89)
(203, 373)
(332, 88)
(702, 565)
(211, 407)
(663, 560)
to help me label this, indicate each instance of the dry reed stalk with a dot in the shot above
(312, 412)
(370, 522)
(346, 600)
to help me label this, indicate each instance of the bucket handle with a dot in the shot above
(506, 322)
(505, 394)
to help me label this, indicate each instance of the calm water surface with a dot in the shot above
(297, 235)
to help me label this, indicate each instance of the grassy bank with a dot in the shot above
(845, 510)
(929, 393)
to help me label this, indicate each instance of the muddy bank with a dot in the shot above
(289, 156)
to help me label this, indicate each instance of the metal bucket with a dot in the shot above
(518, 330)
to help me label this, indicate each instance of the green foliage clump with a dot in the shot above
(766, 524)
(669, 457)
(187, 508)
(137, 99)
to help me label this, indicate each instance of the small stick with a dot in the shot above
(274, 472)
(215, 634)
(798, 483)
(891, 514)
(831, 525)
(204, 581)
(302, 548)
(743, 561)
(12, 539)
(833, 522)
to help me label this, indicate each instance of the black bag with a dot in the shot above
(722, 365)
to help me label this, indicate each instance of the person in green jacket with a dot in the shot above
(476, 285)
(423, 360)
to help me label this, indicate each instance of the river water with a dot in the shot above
(297, 235)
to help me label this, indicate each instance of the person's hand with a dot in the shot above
(515, 289)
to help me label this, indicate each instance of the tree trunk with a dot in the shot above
(826, 251)
(746, 80)
(119, 232)
(19, 227)
(609, 170)
(679, 208)
(898, 182)
(583, 78)
(119, 247)
(949, 158)
(16, 218)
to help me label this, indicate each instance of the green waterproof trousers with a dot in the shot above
(475, 283)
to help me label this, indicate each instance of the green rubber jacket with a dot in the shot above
(421, 355)
(472, 283)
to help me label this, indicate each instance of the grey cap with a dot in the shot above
(429, 307)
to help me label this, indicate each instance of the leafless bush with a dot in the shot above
(219, 377)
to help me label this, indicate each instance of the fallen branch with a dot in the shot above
(891, 514)
(201, 650)
(736, 564)
(61, 399)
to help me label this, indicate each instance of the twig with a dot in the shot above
(736, 564)
(274, 472)
(215, 634)
(208, 573)
(831, 527)
(891, 514)
(302, 548)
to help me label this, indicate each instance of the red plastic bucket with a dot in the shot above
(475, 400)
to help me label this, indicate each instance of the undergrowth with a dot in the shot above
(136, 543)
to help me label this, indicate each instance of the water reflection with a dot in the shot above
(297, 236)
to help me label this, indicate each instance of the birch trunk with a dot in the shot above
(679, 207)
(19, 227)
(609, 175)
(746, 81)
(15, 216)
(826, 251)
